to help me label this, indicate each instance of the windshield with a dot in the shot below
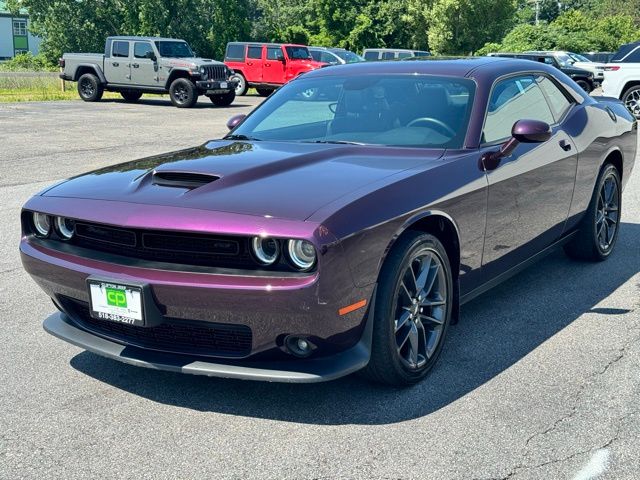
(348, 56)
(298, 53)
(564, 60)
(579, 58)
(400, 110)
(174, 49)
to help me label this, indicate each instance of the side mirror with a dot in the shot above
(151, 56)
(234, 121)
(523, 131)
(282, 59)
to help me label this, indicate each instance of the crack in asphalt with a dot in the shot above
(522, 466)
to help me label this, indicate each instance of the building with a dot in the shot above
(14, 33)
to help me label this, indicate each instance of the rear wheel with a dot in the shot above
(631, 98)
(241, 84)
(264, 92)
(131, 95)
(223, 99)
(89, 88)
(586, 86)
(412, 312)
(598, 230)
(183, 93)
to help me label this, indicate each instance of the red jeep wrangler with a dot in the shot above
(267, 66)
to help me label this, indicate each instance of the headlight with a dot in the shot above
(266, 250)
(65, 227)
(301, 253)
(42, 224)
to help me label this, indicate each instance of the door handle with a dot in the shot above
(566, 146)
(135, 65)
(267, 64)
(115, 64)
(249, 63)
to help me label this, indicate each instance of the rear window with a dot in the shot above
(254, 52)
(120, 49)
(371, 55)
(235, 51)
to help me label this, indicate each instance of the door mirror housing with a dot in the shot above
(234, 121)
(151, 56)
(523, 131)
(281, 58)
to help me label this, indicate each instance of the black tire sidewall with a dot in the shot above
(626, 94)
(593, 210)
(191, 90)
(384, 334)
(584, 85)
(264, 92)
(131, 96)
(97, 87)
(223, 99)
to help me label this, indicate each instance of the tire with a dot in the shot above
(183, 93)
(223, 99)
(598, 230)
(264, 92)
(131, 95)
(89, 88)
(586, 86)
(631, 98)
(397, 319)
(241, 85)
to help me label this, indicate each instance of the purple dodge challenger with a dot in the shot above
(338, 227)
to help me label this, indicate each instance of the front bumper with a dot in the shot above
(216, 86)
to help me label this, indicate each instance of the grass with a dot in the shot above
(38, 89)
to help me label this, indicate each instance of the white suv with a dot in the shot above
(622, 77)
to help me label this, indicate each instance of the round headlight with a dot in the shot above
(65, 227)
(42, 224)
(301, 253)
(266, 250)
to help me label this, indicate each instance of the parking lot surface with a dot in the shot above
(539, 380)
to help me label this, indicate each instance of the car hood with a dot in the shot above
(189, 62)
(279, 179)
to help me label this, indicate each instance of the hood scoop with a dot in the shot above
(182, 179)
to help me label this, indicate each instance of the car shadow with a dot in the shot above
(202, 104)
(496, 330)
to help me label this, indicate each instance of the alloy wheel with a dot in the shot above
(632, 101)
(87, 88)
(607, 212)
(181, 94)
(421, 308)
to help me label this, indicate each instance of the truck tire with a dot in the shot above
(241, 84)
(131, 95)
(585, 85)
(89, 88)
(183, 93)
(631, 98)
(223, 99)
(264, 92)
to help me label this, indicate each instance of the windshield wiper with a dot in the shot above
(338, 142)
(240, 136)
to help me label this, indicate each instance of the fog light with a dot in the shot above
(299, 346)
(65, 227)
(42, 224)
(266, 250)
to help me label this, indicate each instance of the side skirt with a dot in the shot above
(515, 270)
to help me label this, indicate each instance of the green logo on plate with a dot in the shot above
(117, 298)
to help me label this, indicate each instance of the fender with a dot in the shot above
(173, 73)
(93, 66)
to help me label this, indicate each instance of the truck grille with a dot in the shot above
(174, 336)
(216, 72)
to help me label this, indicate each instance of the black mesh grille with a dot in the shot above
(216, 72)
(175, 336)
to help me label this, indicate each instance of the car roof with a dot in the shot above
(132, 37)
(268, 44)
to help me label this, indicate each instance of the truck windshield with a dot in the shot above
(174, 49)
(298, 53)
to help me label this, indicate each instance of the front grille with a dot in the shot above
(174, 336)
(171, 247)
(216, 72)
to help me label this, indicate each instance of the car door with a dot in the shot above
(253, 69)
(273, 67)
(144, 70)
(530, 192)
(117, 67)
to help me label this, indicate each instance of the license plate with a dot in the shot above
(223, 84)
(116, 302)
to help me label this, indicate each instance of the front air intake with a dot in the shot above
(182, 179)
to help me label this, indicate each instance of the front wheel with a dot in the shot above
(183, 93)
(598, 230)
(264, 92)
(89, 88)
(586, 86)
(631, 98)
(414, 301)
(223, 99)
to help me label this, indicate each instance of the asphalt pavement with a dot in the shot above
(539, 380)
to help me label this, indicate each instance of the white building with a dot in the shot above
(14, 34)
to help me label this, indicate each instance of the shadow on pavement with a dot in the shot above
(496, 330)
(203, 103)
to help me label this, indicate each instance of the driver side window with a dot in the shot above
(514, 99)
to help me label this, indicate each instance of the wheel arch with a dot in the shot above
(176, 73)
(89, 68)
(627, 86)
(614, 157)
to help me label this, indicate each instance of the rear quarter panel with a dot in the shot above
(74, 60)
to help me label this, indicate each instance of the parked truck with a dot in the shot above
(132, 66)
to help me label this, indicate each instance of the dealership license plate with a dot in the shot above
(116, 302)
(223, 85)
